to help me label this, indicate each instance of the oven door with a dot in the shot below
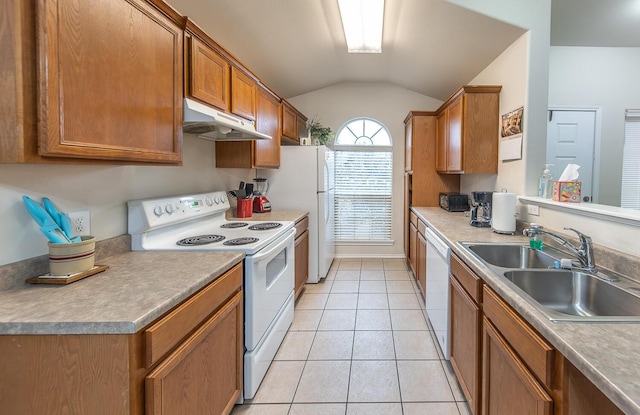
(268, 282)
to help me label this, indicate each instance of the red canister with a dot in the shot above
(245, 206)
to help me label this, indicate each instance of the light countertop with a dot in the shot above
(607, 353)
(138, 288)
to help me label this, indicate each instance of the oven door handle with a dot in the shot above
(277, 247)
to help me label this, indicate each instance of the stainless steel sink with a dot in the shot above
(510, 255)
(575, 296)
(562, 295)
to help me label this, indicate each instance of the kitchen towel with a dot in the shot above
(503, 216)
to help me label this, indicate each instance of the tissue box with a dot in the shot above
(566, 191)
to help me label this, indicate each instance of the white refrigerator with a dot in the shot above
(305, 181)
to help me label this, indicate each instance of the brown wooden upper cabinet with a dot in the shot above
(208, 74)
(243, 94)
(408, 144)
(215, 77)
(109, 78)
(467, 131)
(293, 124)
(257, 153)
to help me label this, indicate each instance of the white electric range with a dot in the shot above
(197, 223)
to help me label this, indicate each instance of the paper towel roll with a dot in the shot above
(503, 215)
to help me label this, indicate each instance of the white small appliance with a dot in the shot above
(437, 288)
(197, 223)
(305, 181)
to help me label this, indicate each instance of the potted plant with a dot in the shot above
(320, 135)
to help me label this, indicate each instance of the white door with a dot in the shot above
(571, 140)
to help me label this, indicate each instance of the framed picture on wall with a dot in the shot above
(511, 135)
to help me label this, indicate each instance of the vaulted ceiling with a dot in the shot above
(429, 46)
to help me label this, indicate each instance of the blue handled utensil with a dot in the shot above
(48, 226)
(65, 224)
(61, 219)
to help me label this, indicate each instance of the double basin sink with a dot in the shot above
(561, 294)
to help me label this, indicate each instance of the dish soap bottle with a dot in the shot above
(544, 187)
(536, 240)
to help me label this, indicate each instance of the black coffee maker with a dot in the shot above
(481, 210)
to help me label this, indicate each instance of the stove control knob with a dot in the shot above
(157, 211)
(209, 201)
(217, 200)
(169, 208)
(224, 199)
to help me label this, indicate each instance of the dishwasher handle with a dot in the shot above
(442, 248)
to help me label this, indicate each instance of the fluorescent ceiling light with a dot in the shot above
(362, 24)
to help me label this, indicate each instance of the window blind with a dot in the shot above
(363, 195)
(630, 192)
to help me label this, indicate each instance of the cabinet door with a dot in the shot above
(454, 145)
(413, 245)
(408, 142)
(204, 374)
(289, 123)
(301, 261)
(465, 343)
(421, 264)
(243, 94)
(507, 385)
(442, 133)
(581, 397)
(208, 75)
(110, 81)
(267, 152)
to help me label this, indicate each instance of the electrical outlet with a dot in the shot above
(80, 222)
(533, 210)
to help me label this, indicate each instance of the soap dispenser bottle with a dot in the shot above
(535, 241)
(544, 188)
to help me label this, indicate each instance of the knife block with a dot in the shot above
(72, 258)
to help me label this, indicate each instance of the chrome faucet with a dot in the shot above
(584, 252)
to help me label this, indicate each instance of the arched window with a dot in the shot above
(363, 163)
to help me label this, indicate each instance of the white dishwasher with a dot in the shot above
(437, 287)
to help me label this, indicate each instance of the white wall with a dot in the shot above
(386, 103)
(104, 190)
(509, 70)
(604, 77)
(534, 15)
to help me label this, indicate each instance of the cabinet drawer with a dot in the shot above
(413, 219)
(164, 335)
(467, 278)
(302, 226)
(422, 227)
(534, 351)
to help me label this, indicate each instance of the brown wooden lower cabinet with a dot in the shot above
(201, 376)
(504, 366)
(465, 342)
(301, 255)
(413, 244)
(507, 385)
(581, 397)
(199, 372)
(421, 264)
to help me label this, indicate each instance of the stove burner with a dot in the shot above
(265, 226)
(200, 240)
(241, 241)
(232, 225)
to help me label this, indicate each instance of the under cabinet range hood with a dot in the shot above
(211, 124)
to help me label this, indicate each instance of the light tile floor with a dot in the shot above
(360, 344)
